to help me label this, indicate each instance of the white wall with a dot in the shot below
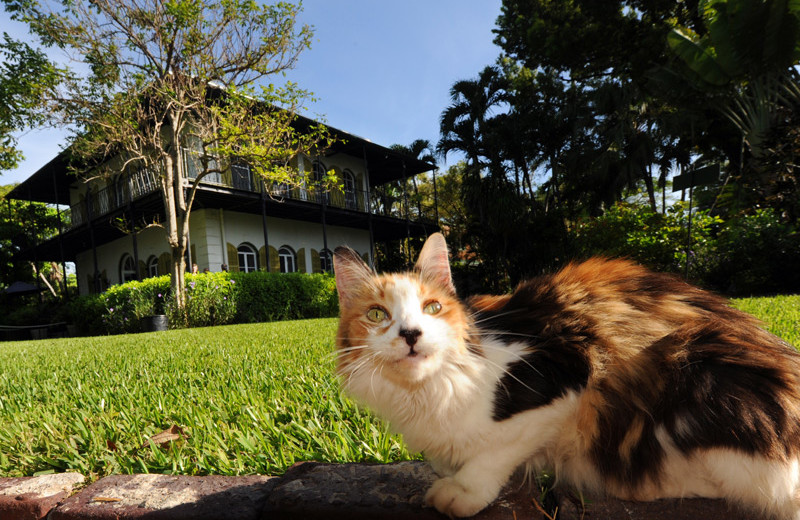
(210, 231)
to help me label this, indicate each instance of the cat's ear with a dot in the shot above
(433, 263)
(351, 273)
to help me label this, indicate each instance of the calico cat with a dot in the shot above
(620, 380)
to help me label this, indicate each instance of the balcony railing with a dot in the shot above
(382, 200)
(106, 200)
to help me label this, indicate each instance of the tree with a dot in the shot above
(22, 226)
(464, 123)
(26, 75)
(173, 89)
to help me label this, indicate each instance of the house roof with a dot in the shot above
(50, 184)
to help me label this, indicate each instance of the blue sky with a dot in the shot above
(379, 69)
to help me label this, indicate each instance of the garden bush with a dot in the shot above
(754, 253)
(657, 240)
(749, 254)
(265, 296)
(211, 299)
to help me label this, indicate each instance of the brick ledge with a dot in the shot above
(308, 490)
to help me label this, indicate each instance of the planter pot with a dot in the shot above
(154, 323)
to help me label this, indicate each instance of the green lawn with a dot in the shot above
(248, 398)
(780, 314)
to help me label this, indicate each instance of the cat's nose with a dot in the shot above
(410, 335)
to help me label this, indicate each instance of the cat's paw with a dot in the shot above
(453, 499)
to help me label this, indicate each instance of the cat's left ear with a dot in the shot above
(434, 264)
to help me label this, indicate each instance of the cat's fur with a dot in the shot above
(621, 380)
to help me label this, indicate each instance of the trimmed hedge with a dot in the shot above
(211, 299)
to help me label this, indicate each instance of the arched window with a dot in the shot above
(248, 258)
(326, 261)
(152, 266)
(127, 269)
(288, 259)
(350, 200)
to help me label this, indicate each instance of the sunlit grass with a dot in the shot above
(780, 314)
(248, 398)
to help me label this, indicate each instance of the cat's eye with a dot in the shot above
(376, 314)
(432, 308)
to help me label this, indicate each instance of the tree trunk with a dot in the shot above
(651, 192)
(175, 208)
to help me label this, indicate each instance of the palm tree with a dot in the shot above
(419, 149)
(464, 124)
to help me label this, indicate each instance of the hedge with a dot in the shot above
(211, 299)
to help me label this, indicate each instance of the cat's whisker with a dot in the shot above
(473, 315)
(512, 376)
(517, 355)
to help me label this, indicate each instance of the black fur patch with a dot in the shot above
(710, 389)
(557, 361)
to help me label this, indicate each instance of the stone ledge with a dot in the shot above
(31, 498)
(168, 497)
(310, 491)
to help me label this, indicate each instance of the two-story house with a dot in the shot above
(237, 222)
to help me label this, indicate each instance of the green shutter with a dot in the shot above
(301, 260)
(194, 258)
(262, 258)
(142, 270)
(316, 265)
(274, 261)
(233, 258)
(164, 263)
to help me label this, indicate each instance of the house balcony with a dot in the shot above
(239, 189)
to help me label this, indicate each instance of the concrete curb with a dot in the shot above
(308, 491)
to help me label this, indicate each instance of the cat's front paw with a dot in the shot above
(453, 499)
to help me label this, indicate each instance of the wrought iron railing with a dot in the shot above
(388, 200)
(119, 194)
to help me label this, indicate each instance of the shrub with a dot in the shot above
(128, 303)
(265, 296)
(210, 300)
(749, 254)
(754, 254)
(86, 313)
(653, 239)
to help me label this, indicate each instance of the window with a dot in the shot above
(350, 200)
(127, 269)
(287, 259)
(193, 164)
(326, 261)
(318, 175)
(248, 258)
(152, 266)
(241, 177)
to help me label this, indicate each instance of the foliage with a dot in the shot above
(656, 240)
(754, 254)
(126, 304)
(172, 89)
(212, 299)
(750, 254)
(248, 399)
(22, 225)
(265, 296)
(26, 80)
